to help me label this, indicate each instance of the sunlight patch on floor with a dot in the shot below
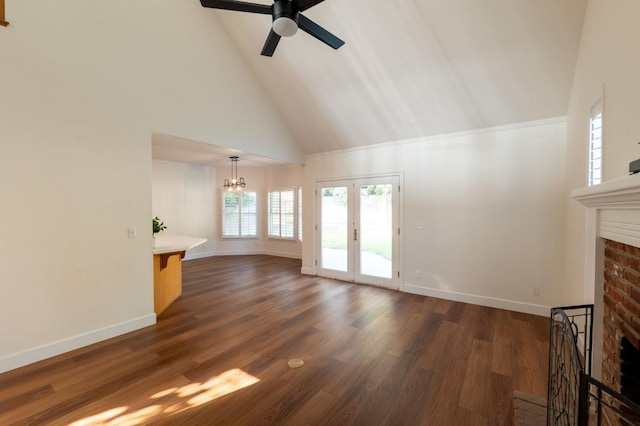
(137, 417)
(101, 418)
(224, 384)
(179, 399)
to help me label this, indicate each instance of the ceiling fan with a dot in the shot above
(286, 20)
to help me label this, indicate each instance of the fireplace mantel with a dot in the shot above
(618, 204)
(618, 193)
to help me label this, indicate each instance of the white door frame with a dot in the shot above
(396, 281)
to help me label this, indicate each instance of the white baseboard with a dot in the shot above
(52, 349)
(242, 252)
(283, 254)
(491, 302)
(193, 256)
(239, 252)
(201, 255)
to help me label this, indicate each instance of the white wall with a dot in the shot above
(608, 64)
(84, 84)
(492, 203)
(186, 197)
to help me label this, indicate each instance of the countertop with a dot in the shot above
(166, 243)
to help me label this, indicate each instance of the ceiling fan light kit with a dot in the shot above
(286, 18)
(285, 27)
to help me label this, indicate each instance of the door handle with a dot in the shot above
(355, 235)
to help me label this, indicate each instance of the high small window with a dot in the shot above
(239, 214)
(282, 214)
(595, 144)
(300, 214)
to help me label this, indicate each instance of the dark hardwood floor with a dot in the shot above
(218, 356)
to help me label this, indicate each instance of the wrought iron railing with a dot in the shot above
(574, 397)
(602, 405)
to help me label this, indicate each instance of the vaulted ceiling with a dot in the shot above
(414, 68)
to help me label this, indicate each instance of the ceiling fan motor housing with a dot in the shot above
(285, 18)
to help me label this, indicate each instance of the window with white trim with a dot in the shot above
(595, 144)
(300, 214)
(239, 214)
(282, 212)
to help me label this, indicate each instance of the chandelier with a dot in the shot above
(235, 183)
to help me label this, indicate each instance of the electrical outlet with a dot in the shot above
(419, 275)
(535, 290)
(132, 232)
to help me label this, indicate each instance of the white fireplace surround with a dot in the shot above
(613, 213)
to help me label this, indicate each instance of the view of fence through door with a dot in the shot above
(358, 230)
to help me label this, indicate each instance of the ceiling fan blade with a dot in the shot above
(306, 4)
(240, 6)
(310, 27)
(271, 44)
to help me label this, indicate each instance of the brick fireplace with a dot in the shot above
(612, 273)
(621, 319)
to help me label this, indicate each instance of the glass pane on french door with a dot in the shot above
(334, 227)
(376, 229)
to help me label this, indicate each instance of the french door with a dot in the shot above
(358, 230)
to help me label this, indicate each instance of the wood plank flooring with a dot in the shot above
(218, 356)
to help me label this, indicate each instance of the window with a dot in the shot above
(239, 214)
(300, 214)
(282, 212)
(595, 144)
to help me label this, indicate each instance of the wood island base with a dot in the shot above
(167, 279)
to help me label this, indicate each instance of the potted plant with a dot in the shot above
(158, 226)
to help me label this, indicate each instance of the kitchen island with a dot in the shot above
(168, 252)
